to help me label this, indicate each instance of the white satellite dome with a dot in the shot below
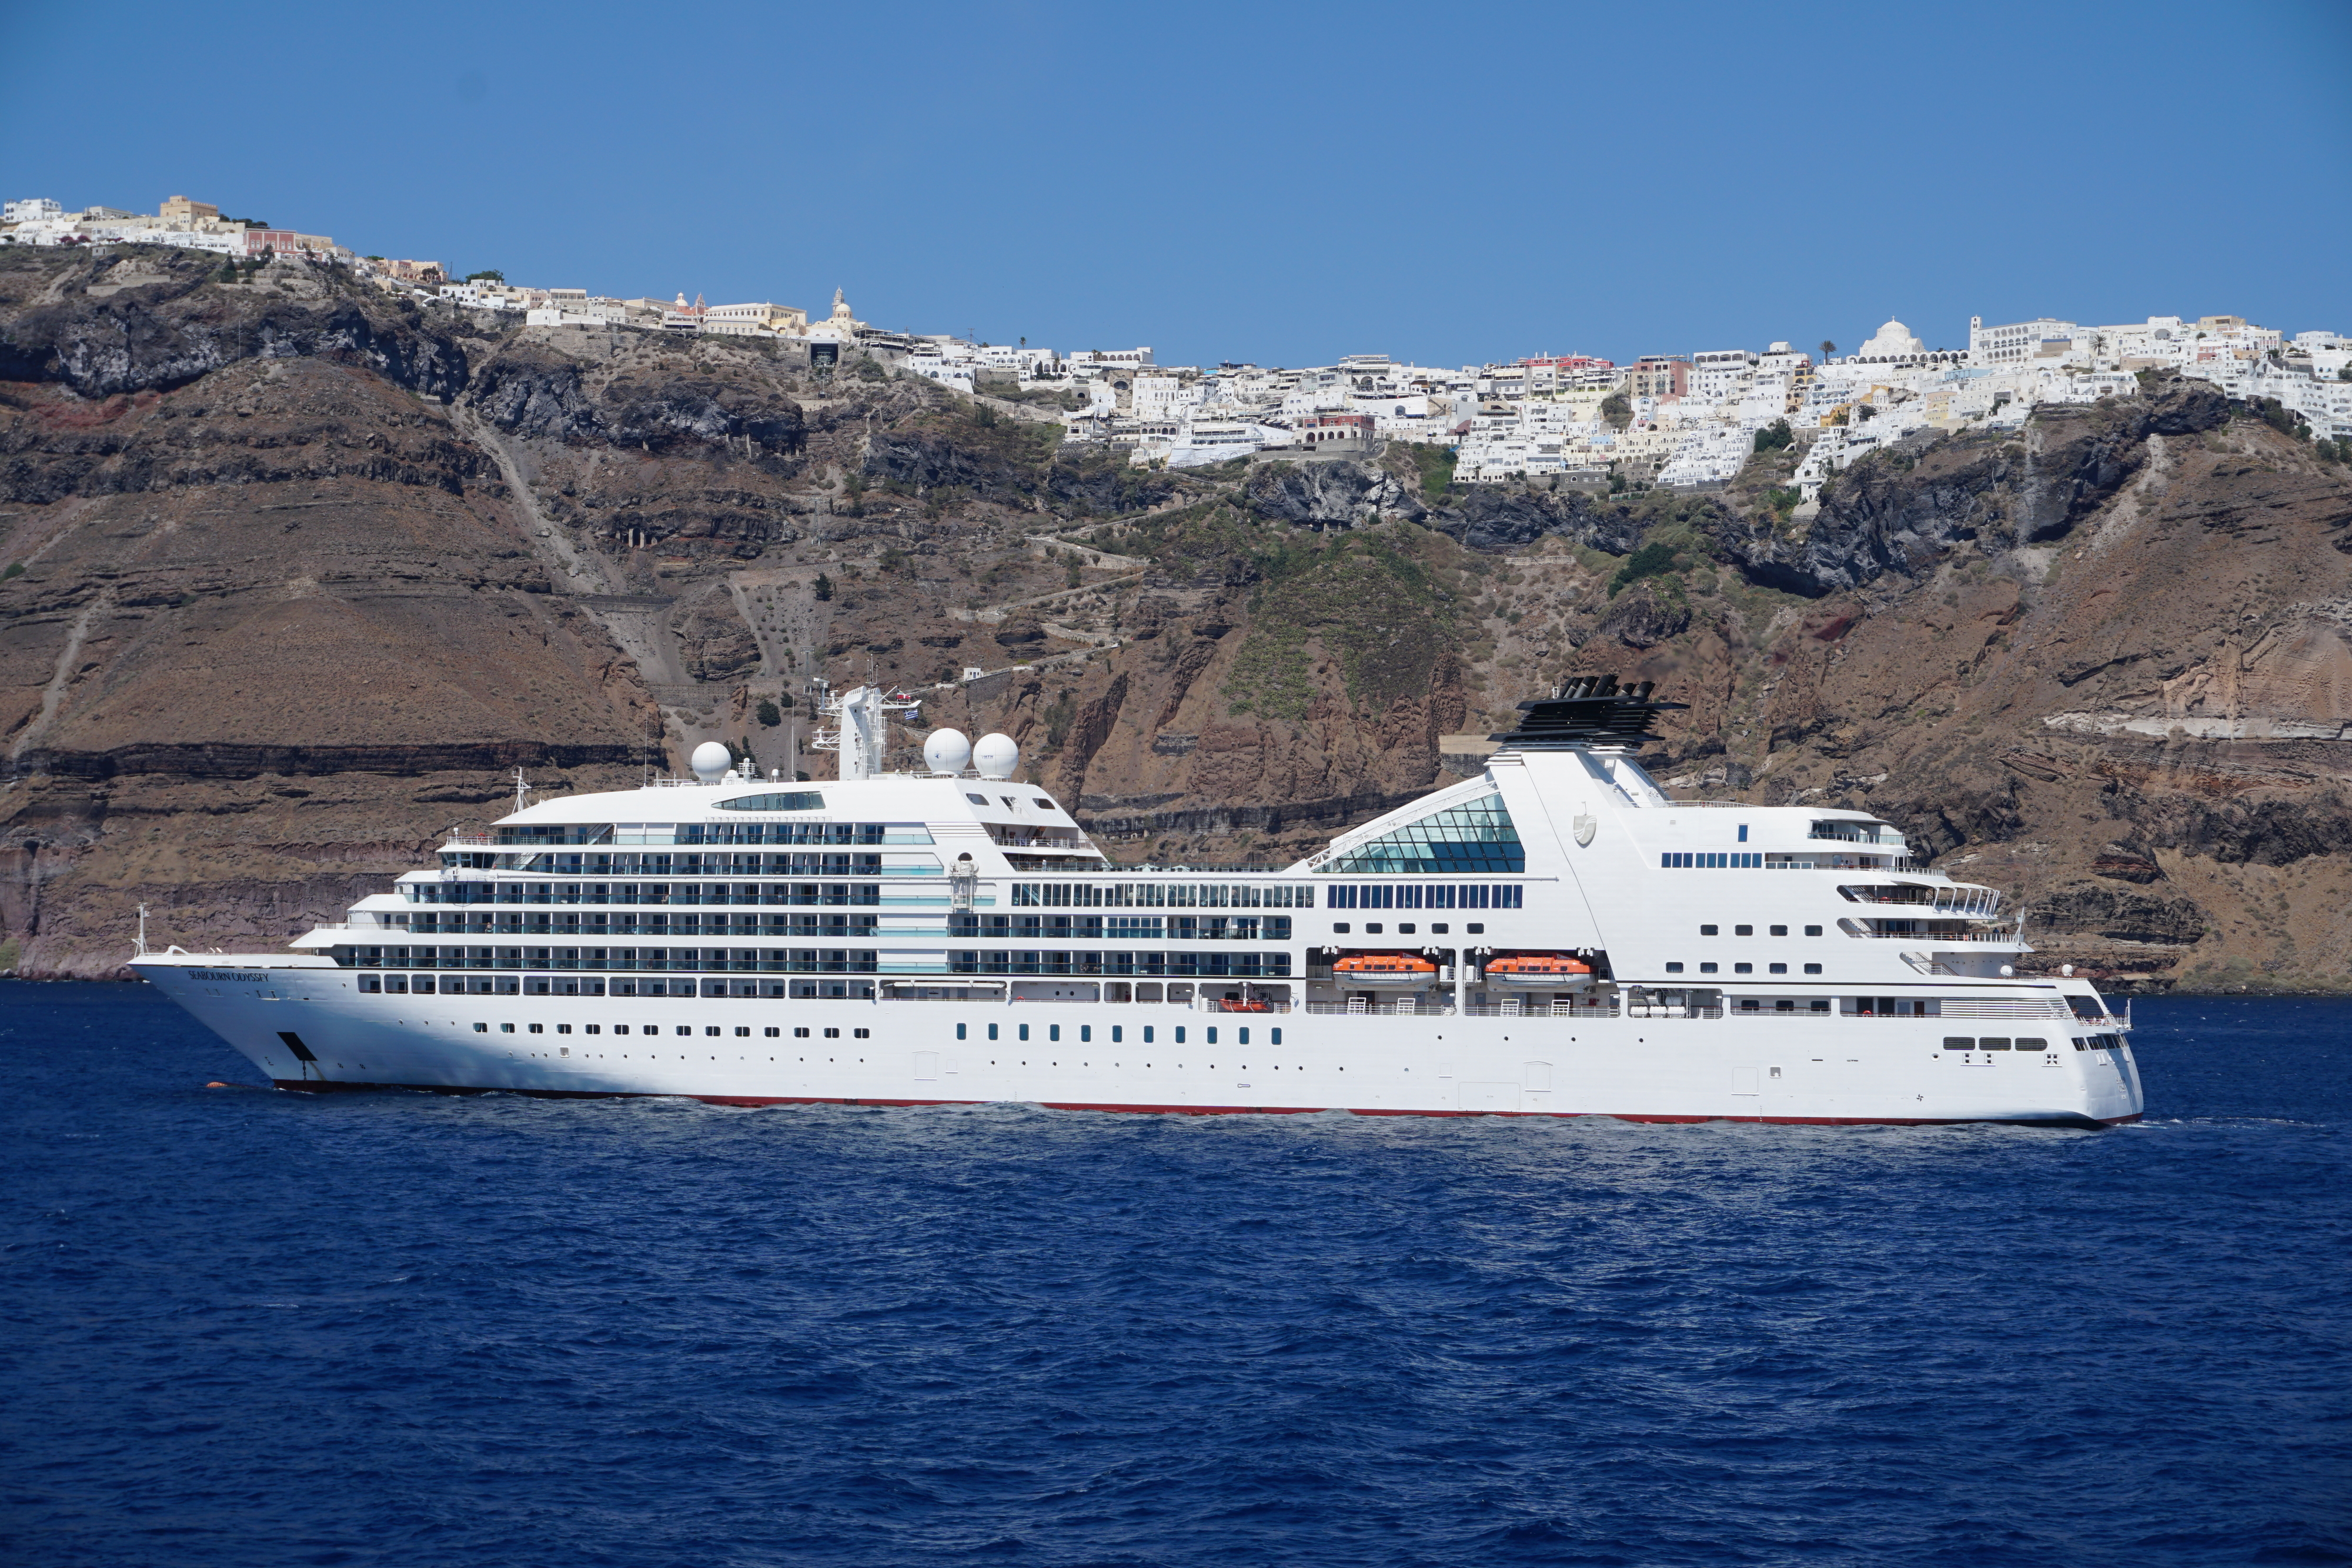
(711, 761)
(996, 756)
(947, 751)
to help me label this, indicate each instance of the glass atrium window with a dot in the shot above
(1477, 836)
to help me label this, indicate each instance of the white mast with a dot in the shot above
(861, 731)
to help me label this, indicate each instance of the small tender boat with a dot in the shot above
(1399, 969)
(1539, 971)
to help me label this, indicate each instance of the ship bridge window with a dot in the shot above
(1475, 836)
(1857, 833)
(976, 799)
(798, 800)
(554, 833)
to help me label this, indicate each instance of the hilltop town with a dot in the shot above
(1681, 421)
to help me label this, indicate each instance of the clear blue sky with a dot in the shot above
(1449, 184)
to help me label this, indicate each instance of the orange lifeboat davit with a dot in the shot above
(1401, 970)
(1543, 971)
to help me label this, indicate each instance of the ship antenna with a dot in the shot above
(142, 931)
(522, 790)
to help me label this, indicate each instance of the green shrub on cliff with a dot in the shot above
(1436, 465)
(1775, 436)
(1650, 560)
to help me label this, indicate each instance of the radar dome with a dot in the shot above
(711, 761)
(947, 751)
(996, 756)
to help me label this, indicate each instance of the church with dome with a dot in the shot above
(1893, 343)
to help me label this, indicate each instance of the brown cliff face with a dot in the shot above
(305, 577)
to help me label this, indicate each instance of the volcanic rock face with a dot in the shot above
(297, 578)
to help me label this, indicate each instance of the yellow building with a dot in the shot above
(188, 212)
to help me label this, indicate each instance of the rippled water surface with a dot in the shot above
(248, 1327)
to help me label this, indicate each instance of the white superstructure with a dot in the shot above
(1555, 938)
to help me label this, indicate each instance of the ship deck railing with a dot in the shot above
(1930, 939)
(1606, 1009)
(1403, 1007)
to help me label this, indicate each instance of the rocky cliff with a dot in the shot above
(297, 578)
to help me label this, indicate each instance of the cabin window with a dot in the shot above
(1708, 930)
(959, 1028)
(1708, 968)
(2032, 1042)
(772, 1031)
(1118, 1033)
(505, 1028)
(1147, 1034)
(1053, 1032)
(1086, 1034)
(1277, 1036)
(1780, 931)
(1743, 832)
(481, 1029)
(1778, 969)
(1025, 1031)
(992, 1032)
(833, 1034)
(800, 1034)
(1812, 930)
(1372, 928)
(1179, 1034)
(1743, 969)
(862, 1034)
(743, 1030)
(1340, 928)
(539, 1028)
(1743, 931)
(1212, 1037)
(1673, 968)
(1476, 928)
(1812, 969)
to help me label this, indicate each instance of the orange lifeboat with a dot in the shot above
(1384, 969)
(1545, 971)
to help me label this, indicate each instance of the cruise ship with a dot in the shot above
(1554, 937)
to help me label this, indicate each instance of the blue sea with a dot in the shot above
(245, 1327)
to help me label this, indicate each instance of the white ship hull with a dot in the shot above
(1832, 1069)
(949, 937)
